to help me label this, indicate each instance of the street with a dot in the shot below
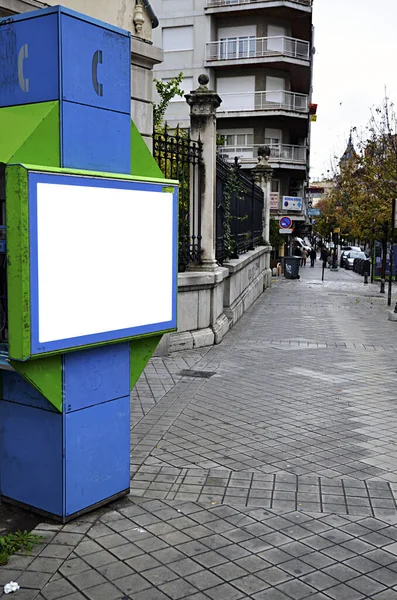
(264, 467)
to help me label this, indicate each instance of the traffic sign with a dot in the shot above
(285, 222)
(286, 231)
(292, 203)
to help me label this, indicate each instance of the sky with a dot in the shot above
(355, 60)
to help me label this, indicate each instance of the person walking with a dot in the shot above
(313, 256)
(304, 257)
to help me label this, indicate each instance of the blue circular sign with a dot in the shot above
(285, 223)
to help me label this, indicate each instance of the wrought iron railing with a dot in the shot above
(239, 214)
(251, 47)
(3, 264)
(267, 100)
(278, 153)
(216, 3)
(179, 157)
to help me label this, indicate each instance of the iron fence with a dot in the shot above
(179, 157)
(239, 211)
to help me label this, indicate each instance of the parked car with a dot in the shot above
(344, 250)
(350, 257)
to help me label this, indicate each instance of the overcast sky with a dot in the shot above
(356, 56)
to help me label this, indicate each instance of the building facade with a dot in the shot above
(136, 16)
(258, 56)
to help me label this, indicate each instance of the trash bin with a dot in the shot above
(291, 267)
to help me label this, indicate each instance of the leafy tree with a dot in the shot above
(366, 183)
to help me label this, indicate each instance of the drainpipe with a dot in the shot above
(151, 13)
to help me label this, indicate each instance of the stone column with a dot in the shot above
(262, 174)
(203, 103)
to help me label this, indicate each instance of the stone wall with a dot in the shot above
(210, 303)
(246, 281)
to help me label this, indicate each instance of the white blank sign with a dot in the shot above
(104, 259)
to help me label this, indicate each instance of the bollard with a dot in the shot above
(382, 286)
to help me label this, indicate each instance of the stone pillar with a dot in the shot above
(203, 103)
(262, 174)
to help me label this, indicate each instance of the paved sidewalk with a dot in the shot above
(264, 468)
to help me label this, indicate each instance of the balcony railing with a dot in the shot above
(285, 153)
(216, 3)
(262, 101)
(251, 47)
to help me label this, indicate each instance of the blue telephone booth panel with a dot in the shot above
(95, 65)
(95, 139)
(29, 65)
(58, 54)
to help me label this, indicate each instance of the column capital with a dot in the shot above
(203, 101)
(262, 170)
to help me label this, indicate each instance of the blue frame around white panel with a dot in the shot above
(38, 347)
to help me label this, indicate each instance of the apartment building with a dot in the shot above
(258, 56)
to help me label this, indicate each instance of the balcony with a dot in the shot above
(248, 4)
(264, 103)
(281, 155)
(247, 48)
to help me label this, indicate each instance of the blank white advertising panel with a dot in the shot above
(99, 268)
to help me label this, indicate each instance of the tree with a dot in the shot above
(366, 182)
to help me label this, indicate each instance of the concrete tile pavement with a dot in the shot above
(273, 478)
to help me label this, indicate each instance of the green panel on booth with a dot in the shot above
(30, 133)
(142, 161)
(141, 351)
(45, 374)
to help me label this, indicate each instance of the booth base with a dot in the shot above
(69, 518)
(62, 464)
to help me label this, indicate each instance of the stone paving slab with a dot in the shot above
(153, 549)
(280, 490)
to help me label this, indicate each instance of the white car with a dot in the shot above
(351, 256)
(345, 251)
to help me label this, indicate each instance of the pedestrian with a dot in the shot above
(304, 257)
(313, 256)
(324, 254)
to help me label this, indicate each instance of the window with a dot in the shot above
(239, 142)
(274, 87)
(273, 137)
(275, 186)
(275, 35)
(237, 93)
(186, 86)
(237, 47)
(237, 42)
(177, 38)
